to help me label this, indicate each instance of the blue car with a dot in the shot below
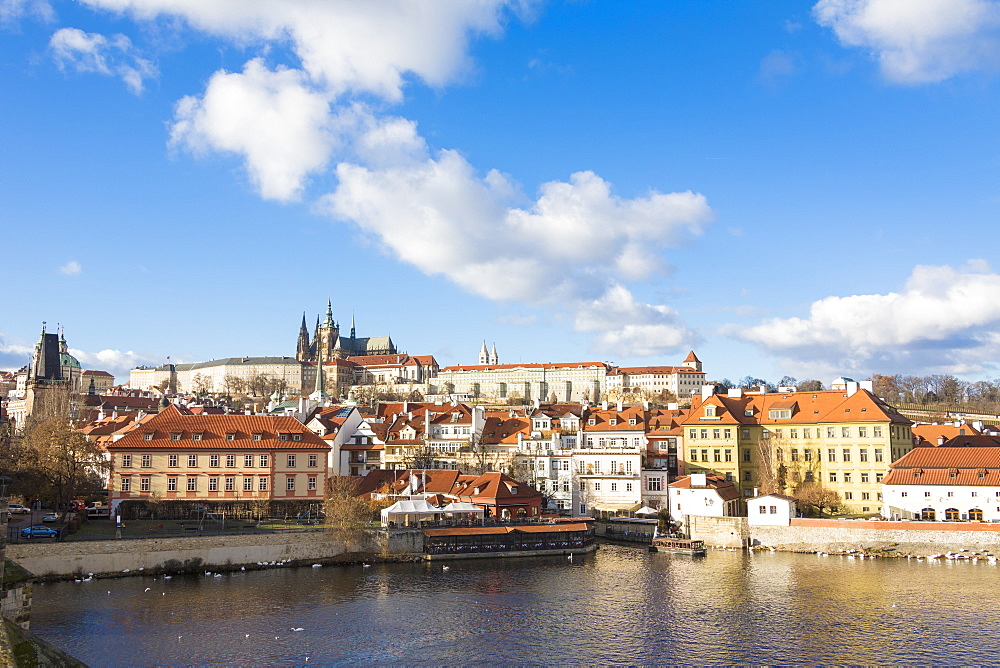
(39, 532)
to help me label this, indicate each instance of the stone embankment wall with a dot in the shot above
(724, 531)
(914, 538)
(115, 556)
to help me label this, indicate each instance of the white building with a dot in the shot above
(771, 510)
(680, 381)
(950, 483)
(703, 495)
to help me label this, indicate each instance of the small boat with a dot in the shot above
(695, 548)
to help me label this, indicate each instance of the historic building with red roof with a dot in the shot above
(217, 458)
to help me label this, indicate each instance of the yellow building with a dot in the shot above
(201, 458)
(844, 439)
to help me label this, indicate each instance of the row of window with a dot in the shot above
(953, 514)
(865, 496)
(173, 461)
(213, 484)
(230, 436)
(807, 432)
(597, 486)
(594, 468)
(831, 454)
(614, 442)
(973, 493)
(848, 477)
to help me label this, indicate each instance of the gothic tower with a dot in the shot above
(302, 349)
(328, 334)
(484, 355)
(494, 359)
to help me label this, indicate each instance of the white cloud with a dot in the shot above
(624, 325)
(563, 248)
(345, 46)
(71, 268)
(943, 318)
(13, 10)
(917, 41)
(13, 355)
(777, 66)
(116, 362)
(433, 210)
(274, 119)
(95, 53)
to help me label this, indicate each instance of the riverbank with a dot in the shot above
(827, 536)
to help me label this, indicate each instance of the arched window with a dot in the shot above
(976, 514)
(951, 515)
(928, 514)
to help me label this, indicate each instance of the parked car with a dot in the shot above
(39, 532)
(50, 517)
(18, 508)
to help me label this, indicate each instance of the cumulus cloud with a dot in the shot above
(71, 268)
(13, 10)
(273, 118)
(917, 41)
(95, 53)
(943, 318)
(116, 362)
(565, 247)
(345, 46)
(623, 324)
(13, 355)
(573, 246)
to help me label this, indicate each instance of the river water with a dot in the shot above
(621, 605)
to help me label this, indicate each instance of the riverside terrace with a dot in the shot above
(518, 540)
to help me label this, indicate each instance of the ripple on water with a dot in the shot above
(621, 605)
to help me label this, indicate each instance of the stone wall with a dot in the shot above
(914, 538)
(401, 541)
(15, 604)
(724, 531)
(108, 557)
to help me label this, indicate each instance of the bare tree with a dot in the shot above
(817, 496)
(63, 457)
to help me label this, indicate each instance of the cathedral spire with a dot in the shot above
(329, 314)
(352, 325)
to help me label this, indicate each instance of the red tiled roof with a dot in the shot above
(725, 488)
(214, 428)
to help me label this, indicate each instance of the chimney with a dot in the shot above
(673, 406)
(699, 480)
(940, 440)
(645, 404)
(618, 406)
(735, 393)
(707, 391)
(604, 405)
(852, 387)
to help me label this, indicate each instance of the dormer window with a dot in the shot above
(196, 436)
(258, 436)
(780, 413)
(632, 422)
(148, 436)
(175, 436)
(591, 422)
(612, 422)
(748, 412)
(231, 436)
(296, 437)
(513, 489)
(282, 437)
(709, 411)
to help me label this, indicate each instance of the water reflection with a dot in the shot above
(621, 605)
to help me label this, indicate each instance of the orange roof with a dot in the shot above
(214, 430)
(691, 357)
(808, 408)
(603, 419)
(932, 432)
(640, 370)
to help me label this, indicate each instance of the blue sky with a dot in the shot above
(803, 188)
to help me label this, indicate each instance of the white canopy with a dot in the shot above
(462, 507)
(646, 510)
(416, 508)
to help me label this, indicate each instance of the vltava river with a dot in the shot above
(620, 605)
